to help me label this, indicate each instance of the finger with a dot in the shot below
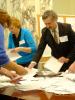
(16, 79)
(30, 67)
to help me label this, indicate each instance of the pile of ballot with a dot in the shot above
(5, 81)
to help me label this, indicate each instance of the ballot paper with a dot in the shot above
(12, 55)
(4, 78)
(53, 65)
(70, 76)
(32, 84)
(28, 85)
(5, 81)
(61, 85)
(6, 84)
(31, 72)
(58, 85)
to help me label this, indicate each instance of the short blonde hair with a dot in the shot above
(15, 22)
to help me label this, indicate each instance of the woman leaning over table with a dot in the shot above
(21, 41)
(5, 64)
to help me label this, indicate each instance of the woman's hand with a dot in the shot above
(11, 74)
(17, 49)
(6, 72)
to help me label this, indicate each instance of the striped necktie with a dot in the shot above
(55, 36)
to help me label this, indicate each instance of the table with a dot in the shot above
(34, 95)
(62, 97)
(25, 95)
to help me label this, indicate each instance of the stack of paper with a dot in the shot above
(5, 81)
(4, 78)
(30, 74)
(61, 85)
(58, 85)
(70, 76)
(6, 84)
(28, 85)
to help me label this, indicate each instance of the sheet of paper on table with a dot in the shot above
(61, 85)
(5, 81)
(12, 56)
(4, 78)
(58, 85)
(6, 84)
(32, 84)
(70, 76)
(30, 74)
(53, 65)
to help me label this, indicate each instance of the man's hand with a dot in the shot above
(63, 60)
(32, 64)
(72, 68)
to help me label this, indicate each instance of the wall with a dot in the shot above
(28, 10)
(64, 7)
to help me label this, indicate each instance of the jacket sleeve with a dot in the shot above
(3, 56)
(71, 37)
(41, 47)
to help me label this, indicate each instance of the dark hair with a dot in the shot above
(49, 13)
(4, 17)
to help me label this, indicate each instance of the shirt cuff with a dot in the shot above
(33, 62)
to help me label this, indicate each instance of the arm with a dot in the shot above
(31, 46)
(71, 44)
(23, 49)
(15, 67)
(72, 68)
(39, 52)
(30, 42)
(3, 57)
(14, 77)
(71, 36)
(6, 72)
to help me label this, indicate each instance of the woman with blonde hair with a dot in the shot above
(21, 41)
(5, 64)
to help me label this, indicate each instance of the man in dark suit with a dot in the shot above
(60, 38)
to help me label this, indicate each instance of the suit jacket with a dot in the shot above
(65, 48)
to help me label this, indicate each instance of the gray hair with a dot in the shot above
(49, 13)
